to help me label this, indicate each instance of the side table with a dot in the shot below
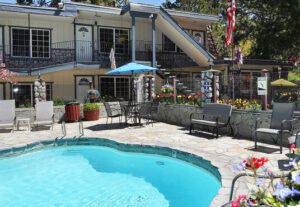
(24, 121)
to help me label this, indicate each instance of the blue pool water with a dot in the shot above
(89, 176)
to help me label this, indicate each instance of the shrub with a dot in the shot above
(91, 106)
(58, 102)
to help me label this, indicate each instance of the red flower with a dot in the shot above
(255, 163)
(241, 197)
(234, 204)
(237, 202)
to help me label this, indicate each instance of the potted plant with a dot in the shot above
(91, 111)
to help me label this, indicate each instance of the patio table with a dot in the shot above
(132, 113)
(23, 121)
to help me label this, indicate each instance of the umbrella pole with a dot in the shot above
(131, 100)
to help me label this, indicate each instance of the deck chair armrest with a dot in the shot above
(291, 122)
(192, 114)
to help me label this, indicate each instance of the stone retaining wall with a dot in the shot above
(58, 56)
(242, 121)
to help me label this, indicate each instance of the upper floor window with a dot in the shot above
(114, 38)
(30, 42)
(199, 37)
(169, 45)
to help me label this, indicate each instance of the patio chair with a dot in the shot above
(281, 122)
(7, 112)
(154, 110)
(113, 111)
(44, 115)
(144, 111)
(124, 108)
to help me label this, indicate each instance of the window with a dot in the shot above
(122, 88)
(183, 78)
(22, 93)
(107, 86)
(40, 43)
(30, 43)
(106, 39)
(114, 38)
(118, 87)
(169, 45)
(199, 37)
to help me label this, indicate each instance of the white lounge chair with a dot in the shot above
(7, 114)
(44, 115)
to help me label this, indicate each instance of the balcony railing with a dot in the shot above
(26, 58)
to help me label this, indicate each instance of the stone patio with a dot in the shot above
(222, 152)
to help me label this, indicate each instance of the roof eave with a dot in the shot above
(212, 18)
(34, 10)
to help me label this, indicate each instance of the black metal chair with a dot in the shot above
(281, 122)
(124, 108)
(144, 111)
(113, 110)
(154, 111)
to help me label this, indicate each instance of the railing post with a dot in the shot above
(153, 41)
(133, 36)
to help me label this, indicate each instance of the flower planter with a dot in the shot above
(91, 115)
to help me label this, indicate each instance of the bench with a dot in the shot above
(214, 115)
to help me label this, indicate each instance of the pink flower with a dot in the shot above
(292, 146)
(234, 204)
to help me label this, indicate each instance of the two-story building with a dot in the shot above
(69, 47)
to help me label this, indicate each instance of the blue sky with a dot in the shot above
(155, 2)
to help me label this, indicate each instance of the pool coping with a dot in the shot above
(124, 147)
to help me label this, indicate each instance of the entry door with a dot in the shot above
(84, 43)
(83, 84)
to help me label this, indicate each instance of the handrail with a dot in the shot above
(250, 175)
(81, 130)
(63, 128)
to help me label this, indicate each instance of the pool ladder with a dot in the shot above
(64, 129)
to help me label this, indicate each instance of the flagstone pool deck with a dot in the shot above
(222, 152)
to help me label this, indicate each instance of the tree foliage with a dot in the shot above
(265, 28)
(199, 6)
(54, 3)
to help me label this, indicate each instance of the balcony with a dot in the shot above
(25, 59)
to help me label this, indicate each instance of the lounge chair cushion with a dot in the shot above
(267, 130)
(6, 124)
(206, 122)
(47, 122)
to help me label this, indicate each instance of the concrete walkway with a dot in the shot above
(222, 152)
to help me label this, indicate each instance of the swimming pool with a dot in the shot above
(92, 176)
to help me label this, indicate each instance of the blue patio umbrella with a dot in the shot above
(131, 68)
